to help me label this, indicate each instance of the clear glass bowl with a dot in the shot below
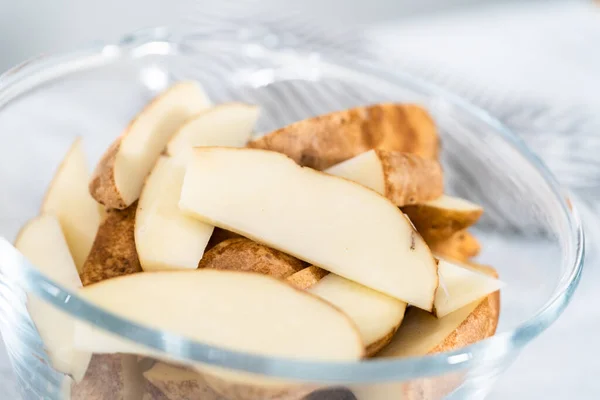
(530, 232)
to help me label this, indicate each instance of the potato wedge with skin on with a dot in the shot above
(68, 198)
(228, 125)
(254, 321)
(113, 253)
(42, 242)
(403, 178)
(119, 176)
(439, 219)
(243, 254)
(327, 221)
(460, 285)
(461, 246)
(421, 333)
(326, 140)
(220, 235)
(165, 237)
(307, 277)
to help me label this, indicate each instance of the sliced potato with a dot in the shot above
(118, 179)
(42, 242)
(228, 125)
(68, 198)
(326, 140)
(327, 221)
(421, 333)
(461, 246)
(403, 178)
(260, 314)
(243, 254)
(461, 285)
(376, 315)
(439, 219)
(113, 253)
(165, 238)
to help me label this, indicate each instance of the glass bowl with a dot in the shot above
(530, 232)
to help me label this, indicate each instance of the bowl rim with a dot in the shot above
(161, 41)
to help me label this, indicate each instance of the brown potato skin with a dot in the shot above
(103, 187)
(307, 277)
(326, 140)
(409, 178)
(435, 224)
(104, 379)
(461, 246)
(241, 254)
(113, 253)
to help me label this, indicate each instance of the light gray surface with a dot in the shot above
(563, 361)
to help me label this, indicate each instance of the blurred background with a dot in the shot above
(533, 64)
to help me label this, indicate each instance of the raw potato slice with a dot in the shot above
(245, 255)
(327, 221)
(42, 242)
(119, 177)
(461, 246)
(439, 219)
(421, 333)
(403, 178)
(191, 303)
(168, 382)
(460, 286)
(227, 125)
(307, 277)
(111, 377)
(113, 253)
(68, 198)
(376, 315)
(326, 140)
(165, 238)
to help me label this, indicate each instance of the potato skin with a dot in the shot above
(307, 277)
(409, 178)
(241, 254)
(113, 253)
(438, 224)
(461, 246)
(326, 140)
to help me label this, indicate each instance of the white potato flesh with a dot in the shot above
(365, 169)
(42, 242)
(330, 222)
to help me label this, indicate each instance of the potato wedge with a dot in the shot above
(113, 253)
(42, 242)
(439, 219)
(461, 246)
(118, 179)
(166, 238)
(69, 199)
(243, 254)
(254, 305)
(403, 178)
(421, 333)
(327, 221)
(326, 140)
